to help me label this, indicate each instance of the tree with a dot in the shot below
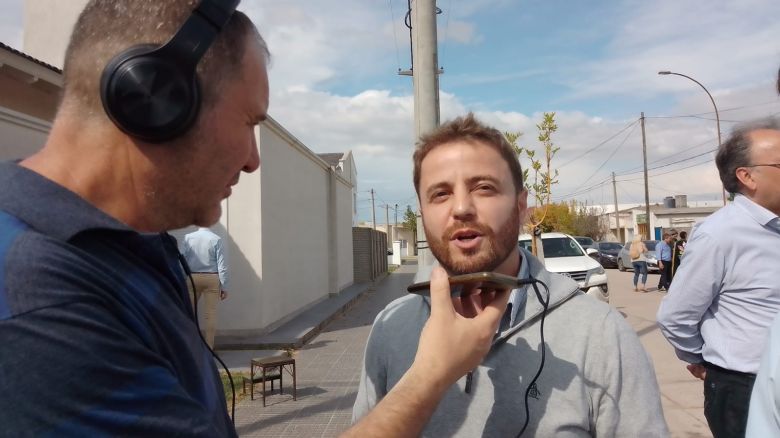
(572, 218)
(410, 222)
(543, 176)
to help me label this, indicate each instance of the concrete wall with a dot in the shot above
(289, 225)
(20, 135)
(56, 19)
(369, 253)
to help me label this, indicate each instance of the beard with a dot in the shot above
(495, 247)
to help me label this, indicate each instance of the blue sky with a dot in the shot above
(334, 82)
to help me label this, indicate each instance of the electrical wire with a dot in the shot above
(611, 155)
(598, 145)
(713, 112)
(187, 271)
(395, 37)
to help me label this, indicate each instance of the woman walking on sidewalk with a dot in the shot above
(639, 261)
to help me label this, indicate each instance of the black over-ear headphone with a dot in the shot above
(151, 92)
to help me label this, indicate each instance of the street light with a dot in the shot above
(717, 117)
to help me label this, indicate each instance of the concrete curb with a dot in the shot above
(301, 329)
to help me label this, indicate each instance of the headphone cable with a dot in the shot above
(186, 267)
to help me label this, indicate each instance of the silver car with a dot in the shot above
(624, 260)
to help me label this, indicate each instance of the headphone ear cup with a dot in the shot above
(149, 96)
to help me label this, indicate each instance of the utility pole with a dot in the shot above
(396, 215)
(647, 190)
(425, 77)
(387, 225)
(373, 210)
(617, 213)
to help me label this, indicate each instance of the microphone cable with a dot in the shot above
(186, 267)
(545, 304)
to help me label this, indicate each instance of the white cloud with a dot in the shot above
(721, 43)
(458, 31)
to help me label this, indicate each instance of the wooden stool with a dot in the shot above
(270, 369)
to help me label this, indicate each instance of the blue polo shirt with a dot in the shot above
(97, 335)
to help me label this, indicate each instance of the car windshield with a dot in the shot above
(609, 246)
(584, 240)
(650, 244)
(556, 247)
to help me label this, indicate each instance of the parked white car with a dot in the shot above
(563, 255)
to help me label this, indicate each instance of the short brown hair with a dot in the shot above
(107, 27)
(468, 128)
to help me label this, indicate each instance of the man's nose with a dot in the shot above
(253, 163)
(464, 207)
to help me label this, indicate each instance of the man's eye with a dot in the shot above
(485, 188)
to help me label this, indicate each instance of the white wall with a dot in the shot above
(20, 135)
(277, 222)
(47, 28)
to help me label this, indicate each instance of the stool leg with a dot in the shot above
(295, 390)
(281, 379)
(263, 386)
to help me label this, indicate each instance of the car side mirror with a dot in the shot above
(591, 251)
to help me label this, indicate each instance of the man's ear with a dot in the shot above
(522, 207)
(745, 177)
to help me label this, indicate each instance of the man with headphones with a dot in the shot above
(156, 123)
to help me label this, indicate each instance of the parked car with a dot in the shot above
(607, 253)
(563, 255)
(624, 260)
(585, 242)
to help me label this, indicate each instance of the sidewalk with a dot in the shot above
(328, 370)
(682, 395)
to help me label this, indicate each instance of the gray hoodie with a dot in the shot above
(597, 379)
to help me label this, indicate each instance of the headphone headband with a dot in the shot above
(152, 93)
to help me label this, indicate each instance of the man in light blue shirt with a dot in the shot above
(205, 255)
(726, 292)
(665, 261)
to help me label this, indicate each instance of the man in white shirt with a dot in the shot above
(205, 255)
(726, 293)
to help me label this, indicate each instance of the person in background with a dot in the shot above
(664, 252)
(677, 253)
(205, 255)
(726, 294)
(637, 252)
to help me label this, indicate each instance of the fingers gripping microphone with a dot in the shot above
(152, 92)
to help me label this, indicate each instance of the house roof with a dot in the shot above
(332, 158)
(28, 57)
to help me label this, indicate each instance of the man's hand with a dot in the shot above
(460, 330)
(660, 264)
(697, 370)
(450, 346)
(222, 294)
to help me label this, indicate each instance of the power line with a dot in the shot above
(632, 169)
(611, 155)
(598, 145)
(713, 112)
(675, 162)
(395, 37)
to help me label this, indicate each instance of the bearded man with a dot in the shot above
(561, 362)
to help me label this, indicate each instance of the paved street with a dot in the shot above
(681, 394)
(328, 373)
(329, 368)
